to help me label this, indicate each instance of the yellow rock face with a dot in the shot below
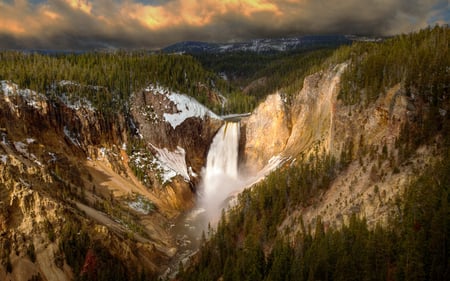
(266, 132)
(276, 129)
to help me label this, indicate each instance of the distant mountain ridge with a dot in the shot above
(265, 45)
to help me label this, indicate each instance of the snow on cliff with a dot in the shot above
(32, 98)
(36, 100)
(187, 106)
(172, 163)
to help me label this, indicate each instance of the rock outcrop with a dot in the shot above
(169, 120)
(265, 132)
(313, 112)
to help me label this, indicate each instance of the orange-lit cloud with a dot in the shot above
(10, 26)
(155, 23)
(82, 5)
(195, 13)
(51, 15)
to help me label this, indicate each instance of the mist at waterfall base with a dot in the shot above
(220, 176)
(222, 181)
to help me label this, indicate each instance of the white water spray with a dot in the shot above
(221, 182)
(221, 177)
(223, 153)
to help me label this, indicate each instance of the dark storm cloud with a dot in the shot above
(86, 24)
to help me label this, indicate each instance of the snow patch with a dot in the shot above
(149, 113)
(142, 205)
(32, 98)
(3, 159)
(76, 103)
(35, 160)
(63, 83)
(8, 88)
(143, 161)
(102, 153)
(223, 75)
(187, 106)
(71, 137)
(192, 173)
(171, 163)
(21, 147)
(53, 156)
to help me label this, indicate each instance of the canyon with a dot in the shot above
(126, 180)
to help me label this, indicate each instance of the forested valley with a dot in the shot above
(256, 238)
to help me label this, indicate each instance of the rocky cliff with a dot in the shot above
(178, 131)
(66, 169)
(294, 126)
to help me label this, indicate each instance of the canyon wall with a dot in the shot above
(65, 165)
(313, 121)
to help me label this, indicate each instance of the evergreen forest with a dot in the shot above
(107, 79)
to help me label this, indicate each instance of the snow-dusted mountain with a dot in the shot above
(261, 45)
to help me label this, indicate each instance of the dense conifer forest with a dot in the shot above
(107, 79)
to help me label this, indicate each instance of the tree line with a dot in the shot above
(107, 79)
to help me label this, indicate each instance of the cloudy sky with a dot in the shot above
(85, 24)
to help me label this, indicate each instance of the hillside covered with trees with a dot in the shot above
(108, 79)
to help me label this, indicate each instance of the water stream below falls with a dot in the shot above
(221, 181)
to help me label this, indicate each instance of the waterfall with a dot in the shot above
(223, 153)
(221, 177)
